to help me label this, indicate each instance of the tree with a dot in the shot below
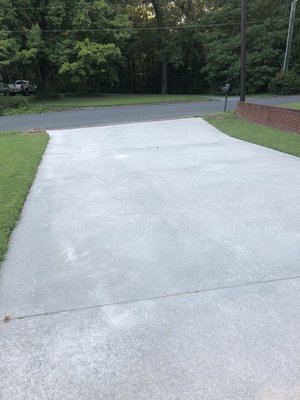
(9, 45)
(91, 63)
(176, 46)
(266, 35)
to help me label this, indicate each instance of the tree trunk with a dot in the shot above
(164, 75)
(8, 75)
(164, 59)
(133, 76)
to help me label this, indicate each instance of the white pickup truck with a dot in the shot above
(22, 87)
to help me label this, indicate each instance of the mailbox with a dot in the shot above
(226, 90)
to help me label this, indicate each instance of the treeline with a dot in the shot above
(144, 46)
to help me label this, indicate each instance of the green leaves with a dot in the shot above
(266, 36)
(92, 60)
(65, 45)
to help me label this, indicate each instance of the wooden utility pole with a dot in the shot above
(243, 51)
(158, 10)
(290, 36)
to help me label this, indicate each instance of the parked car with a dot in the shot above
(4, 88)
(22, 87)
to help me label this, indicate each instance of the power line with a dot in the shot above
(67, 7)
(180, 27)
(290, 36)
(84, 5)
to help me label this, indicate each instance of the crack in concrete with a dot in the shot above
(9, 317)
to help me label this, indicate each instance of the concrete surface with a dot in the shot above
(126, 114)
(154, 261)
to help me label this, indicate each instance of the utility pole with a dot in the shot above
(290, 36)
(243, 51)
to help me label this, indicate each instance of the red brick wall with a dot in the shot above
(275, 117)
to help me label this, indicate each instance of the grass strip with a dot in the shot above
(31, 105)
(239, 128)
(20, 155)
(294, 106)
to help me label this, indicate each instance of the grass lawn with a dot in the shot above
(20, 155)
(120, 99)
(37, 105)
(234, 126)
(295, 106)
(262, 95)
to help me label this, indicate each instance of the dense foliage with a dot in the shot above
(124, 46)
(285, 82)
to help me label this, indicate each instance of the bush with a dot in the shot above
(12, 102)
(48, 95)
(285, 82)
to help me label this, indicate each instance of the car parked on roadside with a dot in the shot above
(22, 87)
(4, 88)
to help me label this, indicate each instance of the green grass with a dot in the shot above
(119, 100)
(20, 155)
(36, 105)
(262, 95)
(234, 126)
(295, 106)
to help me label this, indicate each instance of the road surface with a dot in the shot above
(125, 114)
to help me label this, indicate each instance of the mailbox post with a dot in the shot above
(226, 90)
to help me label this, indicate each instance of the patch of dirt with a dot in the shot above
(34, 131)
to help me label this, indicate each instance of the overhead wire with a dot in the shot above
(136, 29)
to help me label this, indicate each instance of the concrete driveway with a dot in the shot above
(154, 261)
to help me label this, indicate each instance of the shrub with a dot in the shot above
(12, 102)
(285, 82)
(48, 95)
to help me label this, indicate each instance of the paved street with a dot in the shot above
(154, 261)
(126, 114)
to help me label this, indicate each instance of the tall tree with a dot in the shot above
(176, 46)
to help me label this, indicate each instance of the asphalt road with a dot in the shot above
(154, 261)
(124, 114)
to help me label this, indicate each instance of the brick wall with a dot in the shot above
(275, 117)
